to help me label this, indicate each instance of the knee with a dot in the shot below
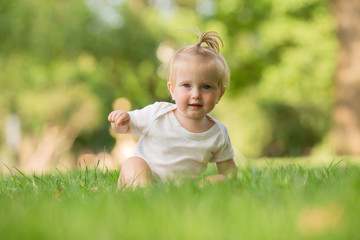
(134, 172)
(134, 165)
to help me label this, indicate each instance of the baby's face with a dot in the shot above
(195, 93)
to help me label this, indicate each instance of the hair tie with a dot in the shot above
(199, 43)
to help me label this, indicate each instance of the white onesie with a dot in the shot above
(171, 150)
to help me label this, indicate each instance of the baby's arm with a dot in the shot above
(227, 170)
(120, 121)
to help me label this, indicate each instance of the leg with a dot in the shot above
(135, 172)
(215, 178)
(212, 179)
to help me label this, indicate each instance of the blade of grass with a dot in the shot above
(26, 177)
(8, 169)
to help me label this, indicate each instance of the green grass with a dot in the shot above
(272, 201)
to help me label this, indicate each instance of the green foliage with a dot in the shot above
(71, 60)
(284, 200)
(292, 54)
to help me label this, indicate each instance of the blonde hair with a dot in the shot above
(202, 58)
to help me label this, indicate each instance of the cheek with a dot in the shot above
(217, 97)
(212, 97)
(179, 94)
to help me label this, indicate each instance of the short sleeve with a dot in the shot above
(225, 151)
(142, 120)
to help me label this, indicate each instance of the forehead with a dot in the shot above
(191, 74)
(191, 68)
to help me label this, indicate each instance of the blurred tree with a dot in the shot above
(59, 58)
(48, 49)
(282, 58)
(346, 128)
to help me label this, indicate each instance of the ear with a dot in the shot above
(171, 89)
(221, 94)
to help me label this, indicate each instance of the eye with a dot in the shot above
(206, 87)
(186, 85)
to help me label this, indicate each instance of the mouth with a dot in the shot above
(195, 105)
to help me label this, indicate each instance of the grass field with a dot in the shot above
(275, 200)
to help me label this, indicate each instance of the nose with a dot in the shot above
(195, 93)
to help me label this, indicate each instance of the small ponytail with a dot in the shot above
(211, 39)
(202, 58)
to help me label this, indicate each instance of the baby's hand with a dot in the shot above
(120, 121)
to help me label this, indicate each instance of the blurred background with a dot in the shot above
(65, 65)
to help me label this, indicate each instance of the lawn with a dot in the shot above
(274, 200)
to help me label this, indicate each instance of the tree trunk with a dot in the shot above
(346, 128)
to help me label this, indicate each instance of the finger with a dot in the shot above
(124, 119)
(112, 116)
(109, 117)
(119, 119)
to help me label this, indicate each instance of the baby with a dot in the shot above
(181, 139)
